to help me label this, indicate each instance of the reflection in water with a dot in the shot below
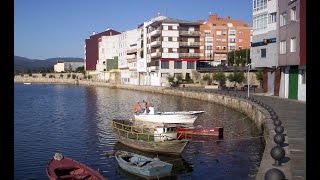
(76, 121)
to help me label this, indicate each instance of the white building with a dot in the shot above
(172, 49)
(264, 47)
(67, 66)
(108, 50)
(128, 56)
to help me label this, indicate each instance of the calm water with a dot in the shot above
(75, 121)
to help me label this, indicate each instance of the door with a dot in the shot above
(293, 84)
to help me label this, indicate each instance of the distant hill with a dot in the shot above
(23, 64)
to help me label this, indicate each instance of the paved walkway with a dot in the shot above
(292, 113)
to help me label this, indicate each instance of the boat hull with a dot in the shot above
(68, 168)
(174, 147)
(182, 117)
(155, 169)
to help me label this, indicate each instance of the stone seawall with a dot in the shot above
(257, 114)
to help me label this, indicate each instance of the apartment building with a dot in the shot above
(143, 74)
(91, 49)
(172, 49)
(278, 46)
(128, 57)
(221, 35)
(292, 49)
(264, 48)
(108, 56)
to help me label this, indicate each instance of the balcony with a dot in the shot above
(155, 54)
(155, 43)
(154, 68)
(189, 33)
(132, 51)
(156, 32)
(190, 44)
(194, 55)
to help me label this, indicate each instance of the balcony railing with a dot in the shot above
(190, 44)
(155, 43)
(155, 54)
(131, 51)
(155, 32)
(181, 55)
(190, 33)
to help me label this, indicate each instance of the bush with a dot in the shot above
(220, 77)
(61, 75)
(73, 76)
(170, 78)
(44, 74)
(207, 78)
(68, 76)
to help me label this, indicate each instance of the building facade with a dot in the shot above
(278, 46)
(92, 49)
(292, 59)
(220, 36)
(67, 66)
(108, 52)
(172, 49)
(264, 47)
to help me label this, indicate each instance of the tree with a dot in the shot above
(170, 78)
(179, 78)
(239, 56)
(61, 75)
(80, 70)
(44, 74)
(236, 77)
(73, 76)
(68, 76)
(220, 77)
(207, 78)
(259, 77)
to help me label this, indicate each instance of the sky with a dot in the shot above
(47, 29)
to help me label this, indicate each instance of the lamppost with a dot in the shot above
(248, 84)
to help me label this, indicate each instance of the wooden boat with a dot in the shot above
(65, 168)
(160, 139)
(143, 166)
(181, 117)
(189, 131)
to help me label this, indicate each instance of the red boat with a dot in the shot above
(64, 168)
(187, 132)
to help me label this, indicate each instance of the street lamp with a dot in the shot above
(249, 66)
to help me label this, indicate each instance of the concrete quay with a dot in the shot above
(292, 113)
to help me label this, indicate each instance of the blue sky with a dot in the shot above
(46, 28)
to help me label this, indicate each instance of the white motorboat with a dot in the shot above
(181, 117)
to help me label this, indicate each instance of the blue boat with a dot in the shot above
(143, 166)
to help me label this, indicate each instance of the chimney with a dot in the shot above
(93, 33)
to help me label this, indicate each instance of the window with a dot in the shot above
(260, 21)
(164, 65)
(293, 44)
(293, 14)
(164, 75)
(218, 40)
(190, 65)
(207, 32)
(283, 47)
(232, 32)
(264, 53)
(177, 64)
(209, 47)
(272, 18)
(259, 5)
(218, 32)
(169, 38)
(232, 40)
(283, 19)
(208, 39)
(224, 32)
(232, 47)
(223, 40)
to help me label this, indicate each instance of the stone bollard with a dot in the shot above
(274, 174)
(279, 129)
(277, 122)
(279, 139)
(277, 153)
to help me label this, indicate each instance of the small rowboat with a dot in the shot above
(143, 166)
(64, 168)
(187, 131)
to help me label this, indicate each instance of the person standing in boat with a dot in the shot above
(137, 108)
